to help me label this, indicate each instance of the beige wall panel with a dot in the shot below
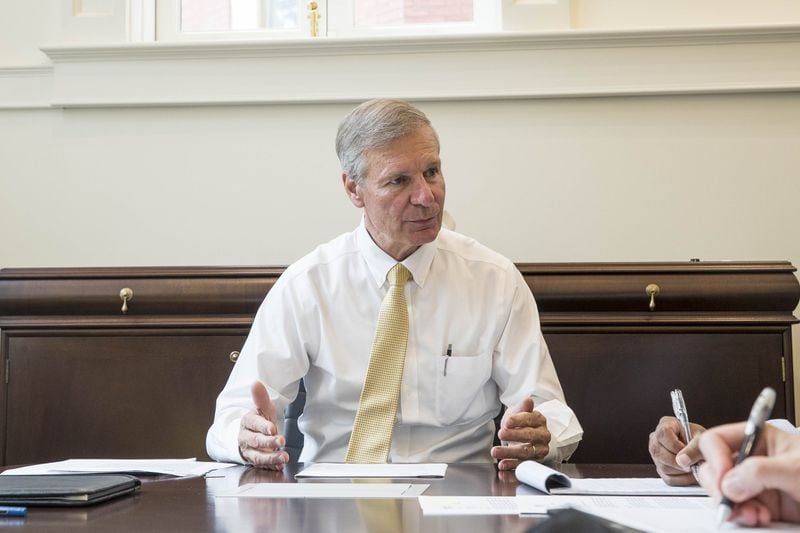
(598, 14)
(614, 179)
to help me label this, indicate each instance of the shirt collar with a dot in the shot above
(379, 262)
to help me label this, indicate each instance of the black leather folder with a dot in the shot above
(66, 489)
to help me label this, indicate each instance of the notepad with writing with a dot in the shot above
(68, 489)
(550, 481)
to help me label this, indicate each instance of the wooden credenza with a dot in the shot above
(80, 378)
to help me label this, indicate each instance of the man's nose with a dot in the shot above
(422, 194)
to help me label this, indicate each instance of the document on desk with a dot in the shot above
(172, 467)
(632, 486)
(325, 490)
(679, 520)
(547, 480)
(468, 505)
(656, 514)
(540, 504)
(388, 470)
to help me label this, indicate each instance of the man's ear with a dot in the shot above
(353, 190)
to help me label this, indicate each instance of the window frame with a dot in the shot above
(167, 18)
(336, 23)
(486, 19)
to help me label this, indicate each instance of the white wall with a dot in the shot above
(593, 179)
(658, 13)
(23, 27)
(623, 178)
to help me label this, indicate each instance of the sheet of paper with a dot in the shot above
(627, 486)
(468, 505)
(325, 490)
(545, 479)
(540, 477)
(389, 470)
(173, 467)
(678, 520)
(539, 504)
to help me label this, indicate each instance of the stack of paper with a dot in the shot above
(325, 490)
(545, 489)
(545, 479)
(172, 467)
(526, 505)
(367, 488)
(388, 470)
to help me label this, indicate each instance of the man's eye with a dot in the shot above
(432, 172)
(399, 180)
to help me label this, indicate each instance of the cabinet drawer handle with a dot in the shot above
(233, 356)
(126, 295)
(652, 291)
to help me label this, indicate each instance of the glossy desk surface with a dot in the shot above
(188, 504)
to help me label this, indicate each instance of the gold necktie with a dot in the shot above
(372, 430)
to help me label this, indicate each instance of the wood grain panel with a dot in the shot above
(113, 394)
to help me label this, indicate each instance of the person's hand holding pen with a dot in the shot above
(682, 414)
(765, 486)
(671, 454)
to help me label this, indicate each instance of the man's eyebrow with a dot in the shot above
(393, 172)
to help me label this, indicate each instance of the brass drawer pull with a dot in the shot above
(233, 356)
(126, 295)
(652, 291)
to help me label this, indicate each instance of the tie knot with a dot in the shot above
(398, 275)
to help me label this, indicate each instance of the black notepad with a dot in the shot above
(66, 489)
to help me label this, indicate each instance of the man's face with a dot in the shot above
(402, 193)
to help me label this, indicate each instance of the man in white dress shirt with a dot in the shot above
(318, 320)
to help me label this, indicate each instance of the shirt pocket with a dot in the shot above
(460, 387)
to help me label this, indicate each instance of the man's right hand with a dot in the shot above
(259, 441)
(666, 444)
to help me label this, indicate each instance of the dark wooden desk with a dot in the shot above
(176, 505)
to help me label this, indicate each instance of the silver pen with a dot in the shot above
(755, 422)
(679, 407)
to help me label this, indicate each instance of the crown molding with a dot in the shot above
(458, 44)
(555, 64)
(25, 87)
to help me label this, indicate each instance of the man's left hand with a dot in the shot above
(526, 434)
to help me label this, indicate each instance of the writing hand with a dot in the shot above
(526, 433)
(671, 455)
(764, 485)
(259, 441)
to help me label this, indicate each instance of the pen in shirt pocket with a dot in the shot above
(447, 355)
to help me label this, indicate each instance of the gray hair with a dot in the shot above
(373, 125)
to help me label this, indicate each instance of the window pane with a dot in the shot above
(281, 14)
(205, 15)
(405, 12)
(226, 15)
